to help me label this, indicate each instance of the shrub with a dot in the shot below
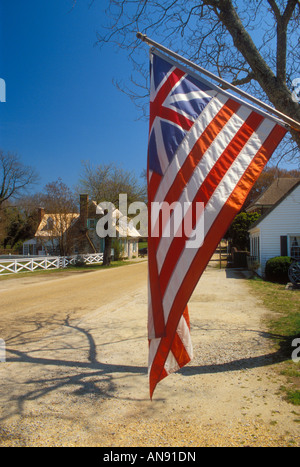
(238, 231)
(118, 249)
(277, 269)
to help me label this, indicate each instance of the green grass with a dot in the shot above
(293, 396)
(284, 326)
(285, 303)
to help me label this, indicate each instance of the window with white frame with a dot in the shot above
(295, 246)
(255, 247)
(91, 223)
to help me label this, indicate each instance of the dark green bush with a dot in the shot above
(277, 269)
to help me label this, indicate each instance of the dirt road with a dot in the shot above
(76, 366)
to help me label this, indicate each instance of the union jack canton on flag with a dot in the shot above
(205, 146)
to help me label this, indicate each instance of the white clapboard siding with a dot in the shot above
(284, 219)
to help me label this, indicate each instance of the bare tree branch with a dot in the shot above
(15, 177)
(218, 34)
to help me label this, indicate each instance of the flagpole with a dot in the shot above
(289, 121)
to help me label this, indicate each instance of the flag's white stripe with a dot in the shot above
(153, 91)
(160, 145)
(178, 98)
(171, 364)
(187, 145)
(171, 123)
(153, 346)
(184, 334)
(179, 158)
(182, 97)
(213, 208)
(200, 173)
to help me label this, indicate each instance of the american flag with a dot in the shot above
(205, 146)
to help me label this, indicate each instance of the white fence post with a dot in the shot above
(15, 266)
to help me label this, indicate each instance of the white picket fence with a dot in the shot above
(23, 264)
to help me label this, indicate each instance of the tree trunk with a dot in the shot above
(107, 251)
(274, 87)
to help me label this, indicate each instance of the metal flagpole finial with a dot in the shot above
(141, 36)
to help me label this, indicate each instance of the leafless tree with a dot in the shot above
(105, 182)
(15, 177)
(250, 43)
(58, 200)
(268, 175)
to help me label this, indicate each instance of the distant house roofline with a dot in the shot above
(274, 193)
(60, 224)
(256, 223)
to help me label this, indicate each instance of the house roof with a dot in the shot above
(125, 227)
(276, 191)
(55, 224)
(284, 196)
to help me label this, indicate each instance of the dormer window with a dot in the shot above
(91, 223)
(49, 224)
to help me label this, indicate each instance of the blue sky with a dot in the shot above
(61, 106)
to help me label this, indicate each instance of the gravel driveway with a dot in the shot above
(76, 366)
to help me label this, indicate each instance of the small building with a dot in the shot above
(272, 195)
(52, 234)
(277, 231)
(75, 233)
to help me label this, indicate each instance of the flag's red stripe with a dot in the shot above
(153, 185)
(203, 143)
(156, 298)
(223, 221)
(155, 109)
(221, 224)
(179, 351)
(206, 190)
(157, 371)
(175, 117)
(157, 374)
(193, 159)
(163, 93)
(155, 290)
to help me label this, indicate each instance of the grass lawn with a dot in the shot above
(284, 327)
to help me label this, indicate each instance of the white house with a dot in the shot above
(277, 232)
(78, 230)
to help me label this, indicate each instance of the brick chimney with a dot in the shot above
(84, 205)
(41, 213)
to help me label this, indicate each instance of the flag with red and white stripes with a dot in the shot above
(206, 148)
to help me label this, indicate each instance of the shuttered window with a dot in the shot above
(295, 246)
(283, 245)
